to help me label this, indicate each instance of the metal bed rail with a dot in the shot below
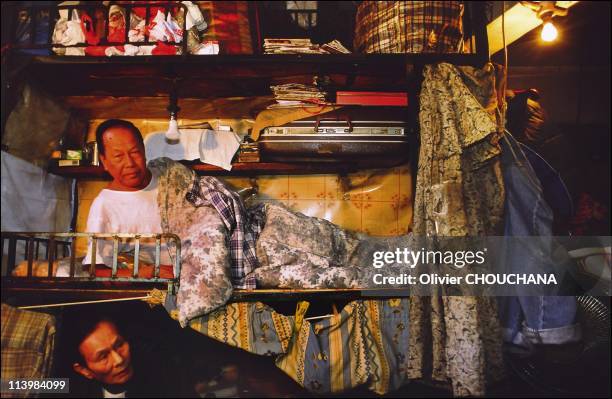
(67, 243)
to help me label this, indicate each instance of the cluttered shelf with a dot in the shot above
(214, 76)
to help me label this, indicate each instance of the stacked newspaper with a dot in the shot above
(302, 46)
(297, 95)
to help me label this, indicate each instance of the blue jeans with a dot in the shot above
(528, 320)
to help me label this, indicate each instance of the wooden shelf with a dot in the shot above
(218, 76)
(240, 168)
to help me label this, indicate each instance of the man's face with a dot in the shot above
(124, 159)
(107, 356)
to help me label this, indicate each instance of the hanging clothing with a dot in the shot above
(366, 342)
(530, 319)
(459, 192)
(28, 339)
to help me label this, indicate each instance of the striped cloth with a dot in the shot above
(409, 27)
(28, 340)
(243, 226)
(367, 342)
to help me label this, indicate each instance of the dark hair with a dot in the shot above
(108, 124)
(77, 328)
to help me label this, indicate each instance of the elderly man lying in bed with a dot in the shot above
(224, 245)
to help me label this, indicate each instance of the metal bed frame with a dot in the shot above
(66, 242)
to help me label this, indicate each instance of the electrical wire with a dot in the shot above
(504, 85)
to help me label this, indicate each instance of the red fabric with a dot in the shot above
(116, 27)
(98, 51)
(144, 271)
(89, 29)
(164, 49)
(229, 24)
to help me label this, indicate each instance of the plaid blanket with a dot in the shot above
(27, 345)
(409, 27)
(244, 226)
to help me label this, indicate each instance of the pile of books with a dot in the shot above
(302, 46)
(249, 152)
(297, 95)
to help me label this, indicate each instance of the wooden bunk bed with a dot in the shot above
(82, 81)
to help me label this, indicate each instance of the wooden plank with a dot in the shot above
(241, 168)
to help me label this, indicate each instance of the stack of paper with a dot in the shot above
(302, 46)
(335, 47)
(297, 95)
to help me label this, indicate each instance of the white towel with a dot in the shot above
(188, 147)
(218, 148)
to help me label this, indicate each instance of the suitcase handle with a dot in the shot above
(344, 118)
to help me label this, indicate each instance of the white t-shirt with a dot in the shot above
(126, 212)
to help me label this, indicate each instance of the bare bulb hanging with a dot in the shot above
(549, 32)
(173, 134)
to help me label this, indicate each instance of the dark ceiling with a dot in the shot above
(584, 39)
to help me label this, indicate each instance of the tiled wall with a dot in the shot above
(376, 202)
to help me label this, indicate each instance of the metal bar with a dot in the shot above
(480, 31)
(27, 251)
(54, 305)
(33, 239)
(70, 235)
(30, 258)
(94, 249)
(177, 261)
(136, 255)
(2, 250)
(37, 249)
(72, 256)
(11, 254)
(51, 26)
(51, 246)
(157, 255)
(128, 18)
(115, 255)
(74, 202)
(147, 38)
(33, 21)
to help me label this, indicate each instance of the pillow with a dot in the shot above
(298, 251)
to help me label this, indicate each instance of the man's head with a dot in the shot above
(103, 353)
(122, 154)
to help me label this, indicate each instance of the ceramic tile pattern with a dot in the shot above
(376, 202)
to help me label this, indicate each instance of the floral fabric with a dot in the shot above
(460, 192)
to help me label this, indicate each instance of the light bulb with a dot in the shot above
(173, 134)
(549, 32)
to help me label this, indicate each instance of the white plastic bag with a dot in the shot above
(68, 33)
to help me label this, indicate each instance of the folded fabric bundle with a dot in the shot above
(165, 26)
